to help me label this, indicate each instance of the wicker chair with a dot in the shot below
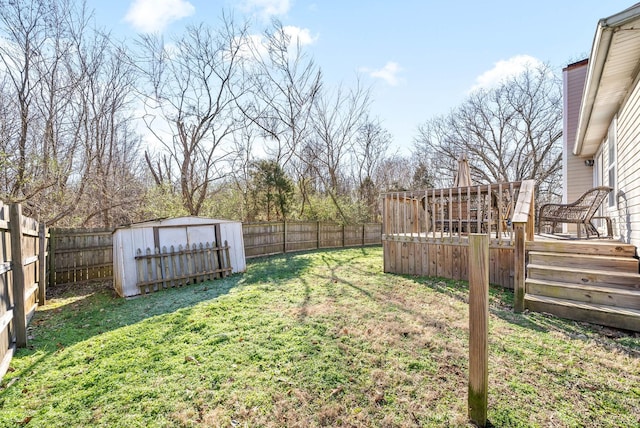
(581, 212)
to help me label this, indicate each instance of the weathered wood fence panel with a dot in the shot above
(7, 332)
(80, 255)
(331, 235)
(262, 239)
(158, 270)
(23, 244)
(301, 236)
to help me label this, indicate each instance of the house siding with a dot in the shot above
(578, 178)
(626, 214)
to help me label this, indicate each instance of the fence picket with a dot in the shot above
(189, 264)
(180, 265)
(206, 255)
(140, 267)
(171, 265)
(227, 259)
(215, 261)
(199, 273)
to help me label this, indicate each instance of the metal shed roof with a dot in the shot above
(176, 221)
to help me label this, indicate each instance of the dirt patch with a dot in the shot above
(79, 289)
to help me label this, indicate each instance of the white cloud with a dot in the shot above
(252, 46)
(388, 73)
(267, 8)
(504, 69)
(299, 35)
(150, 16)
(255, 45)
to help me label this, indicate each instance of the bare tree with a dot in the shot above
(510, 133)
(190, 103)
(370, 149)
(284, 84)
(23, 49)
(240, 176)
(337, 118)
(369, 152)
(392, 174)
(69, 88)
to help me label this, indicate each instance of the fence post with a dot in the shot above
(284, 236)
(363, 233)
(343, 235)
(42, 264)
(19, 314)
(478, 327)
(52, 257)
(318, 234)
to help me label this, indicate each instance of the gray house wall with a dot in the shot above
(578, 178)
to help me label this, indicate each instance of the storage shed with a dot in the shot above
(157, 254)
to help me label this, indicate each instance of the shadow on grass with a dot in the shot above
(95, 309)
(334, 265)
(501, 306)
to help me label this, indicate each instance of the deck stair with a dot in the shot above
(593, 281)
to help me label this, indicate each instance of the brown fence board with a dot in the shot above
(80, 255)
(262, 239)
(23, 243)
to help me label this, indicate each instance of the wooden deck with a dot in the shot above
(427, 232)
(594, 280)
(444, 254)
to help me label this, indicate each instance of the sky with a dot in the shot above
(421, 58)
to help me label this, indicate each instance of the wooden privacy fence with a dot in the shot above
(165, 269)
(262, 239)
(22, 277)
(80, 255)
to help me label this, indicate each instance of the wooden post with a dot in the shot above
(284, 236)
(42, 264)
(318, 234)
(218, 233)
(52, 258)
(478, 327)
(19, 314)
(519, 267)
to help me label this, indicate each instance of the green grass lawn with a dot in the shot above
(312, 339)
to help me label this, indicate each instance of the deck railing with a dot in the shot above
(449, 215)
(427, 231)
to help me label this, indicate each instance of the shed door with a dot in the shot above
(201, 234)
(184, 235)
(168, 236)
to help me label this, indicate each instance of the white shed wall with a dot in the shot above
(179, 231)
